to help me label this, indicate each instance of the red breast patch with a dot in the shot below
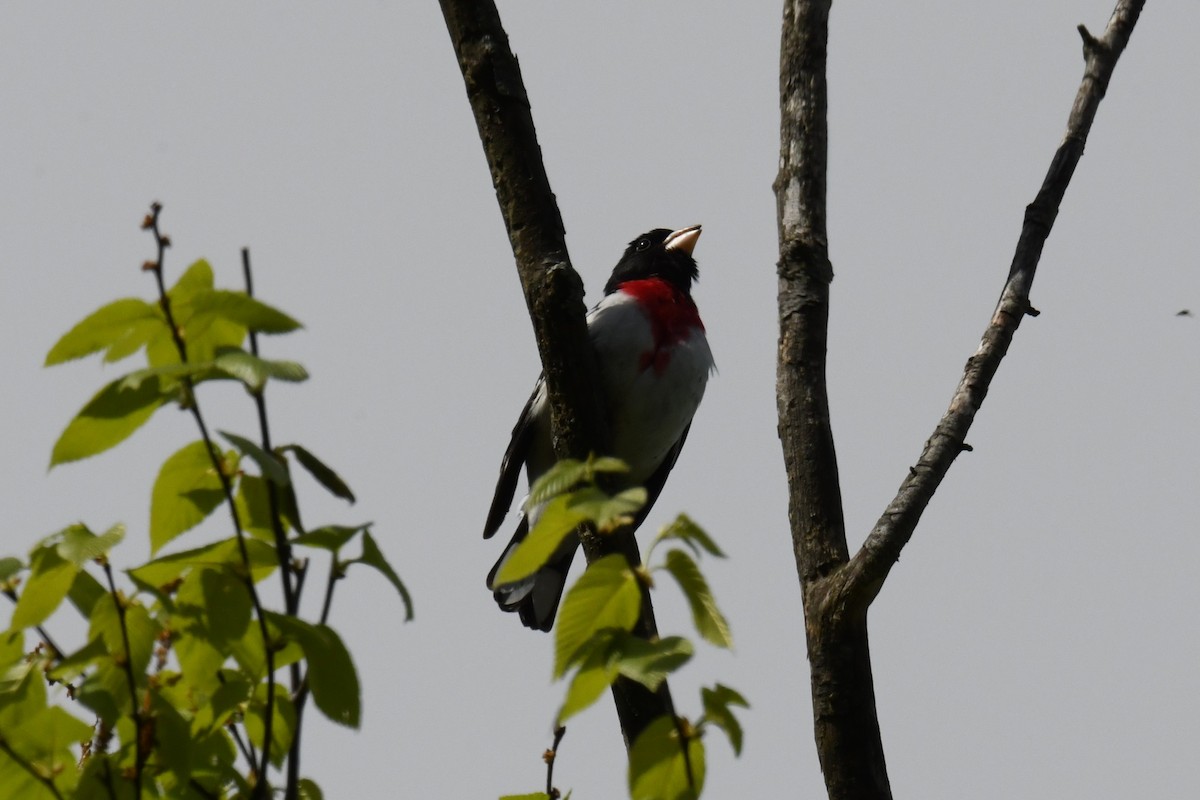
(672, 316)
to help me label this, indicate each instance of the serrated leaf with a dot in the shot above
(50, 578)
(79, 545)
(605, 596)
(254, 371)
(657, 767)
(185, 492)
(243, 309)
(606, 511)
(554, 481)
(649, 663)
(717, 709)
(113, 327)
(107, 420)
(685, 530)
(322, 473)
(271, 467)
(372, 556)
(607, 465)
(331, 674)
(709, 621)
(557, 521)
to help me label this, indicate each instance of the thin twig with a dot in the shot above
(283, 549)
(261, 788)
(550, 756)
(140, 750)
(895, 527)
(28, 767)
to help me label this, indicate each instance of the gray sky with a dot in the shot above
(1038, 638)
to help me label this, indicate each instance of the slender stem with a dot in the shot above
(552, 756)
(247, 749)
(140, 748)
(261, 787)
(283, 549)
(28, 767)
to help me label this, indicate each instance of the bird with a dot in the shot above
(654, 362)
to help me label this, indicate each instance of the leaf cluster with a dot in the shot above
(594, 642)
(180, 671)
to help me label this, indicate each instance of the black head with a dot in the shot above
(661, 253)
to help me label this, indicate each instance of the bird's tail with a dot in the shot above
(536, 597)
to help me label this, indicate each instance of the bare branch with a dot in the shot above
(815, 503)
(553, 290)
(879, 552)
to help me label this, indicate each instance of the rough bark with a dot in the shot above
(837, 589)
(553, 290)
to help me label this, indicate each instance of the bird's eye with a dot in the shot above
(642, 244)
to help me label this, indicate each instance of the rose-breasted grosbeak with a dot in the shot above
(654, 363)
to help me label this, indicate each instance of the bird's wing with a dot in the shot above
(654, 484)
(510, 467)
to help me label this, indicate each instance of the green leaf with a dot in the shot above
(717, 711)
(185, 492)
(685, 530)
(79, 545)
(309, 790)
(329, 537)
(331, 673)
(78, 662)
(85, 591)
(254, 371)
(254, 507)
(225, 554)
(283, 724)
(198, 276)
(172, 737)
(607, 465)
(272, 469)
(556, 480)
(239, 307)
(557, 521)
(372, 556)
(50, 578)
(657, 767)
(595, 675)
(607, 512)
(141, 628)
(605, 596)
(649, 663)
(107, 420)
(9, 566)
(708, 618)
(317, 468)
(114, 327)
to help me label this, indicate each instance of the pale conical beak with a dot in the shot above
(683, 239)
